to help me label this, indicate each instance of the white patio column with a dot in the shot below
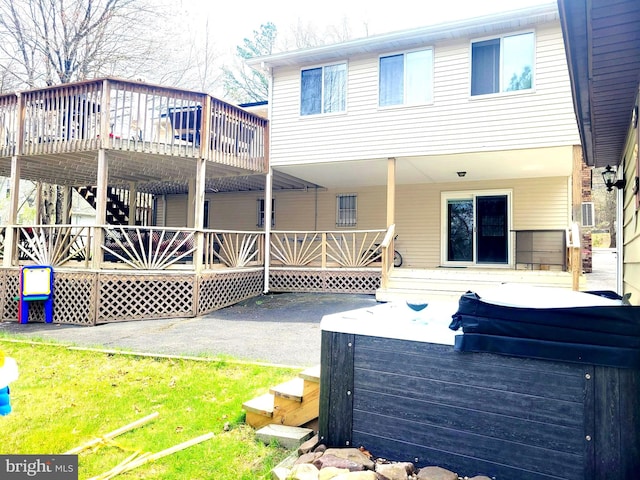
(391, 191)
(268, 195)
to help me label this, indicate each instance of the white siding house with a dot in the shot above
(459, 134)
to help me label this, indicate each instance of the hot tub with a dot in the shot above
(393, 383)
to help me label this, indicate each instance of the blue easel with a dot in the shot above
(36, 284)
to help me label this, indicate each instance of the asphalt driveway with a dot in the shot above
(275, 328)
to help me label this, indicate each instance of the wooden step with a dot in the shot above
(262, 405)
(291, 390)
(259, 410)
(293, 403)
(311, 374)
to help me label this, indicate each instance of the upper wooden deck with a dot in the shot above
(152, 134)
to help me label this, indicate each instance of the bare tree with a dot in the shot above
(193, 61)
(59, 41)
(244, 84)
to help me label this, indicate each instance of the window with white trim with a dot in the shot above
(323, 89)
(406, 78)
(346, 210)
(503, 64)
(260, 222)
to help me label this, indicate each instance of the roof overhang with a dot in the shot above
(407, 39)
(602, 42)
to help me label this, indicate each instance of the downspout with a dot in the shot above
(268, 195)
(268, 191)
(620, 240)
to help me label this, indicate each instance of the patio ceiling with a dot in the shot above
(602, 40)
(479, 166)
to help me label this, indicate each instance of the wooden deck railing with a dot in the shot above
(133, 117)
(3, 234)
(53, 245)
(8, 124)
(161, 248)
(233, 249)
(348, 248)
(148, 248)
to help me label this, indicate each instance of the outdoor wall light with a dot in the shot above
(609, 177)
(461, 174)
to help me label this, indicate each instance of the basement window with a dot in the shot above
(260, 222)
(346, 210)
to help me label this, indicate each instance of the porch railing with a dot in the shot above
(233, 249)
(148, 248)
(8, 124)
(161, 248)
(53, 245)
(134, 117)
(352, 248)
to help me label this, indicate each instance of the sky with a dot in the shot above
(234, 21)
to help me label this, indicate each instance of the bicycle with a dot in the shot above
(375, 254)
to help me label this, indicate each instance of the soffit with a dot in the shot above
(602, 38)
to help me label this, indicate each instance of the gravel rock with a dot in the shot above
(393, 471)
(353, 455)
(303, 471)
(330, 473)
(328, 460)
(436, 473)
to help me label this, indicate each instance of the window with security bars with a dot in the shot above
(588, 217)
(260, 222)
(346, 210)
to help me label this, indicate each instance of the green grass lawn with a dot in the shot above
(64, 398)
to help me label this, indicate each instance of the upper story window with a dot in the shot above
(502, 64)
(323, 89)
(406, 78)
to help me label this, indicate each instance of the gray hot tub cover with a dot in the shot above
(607, 335)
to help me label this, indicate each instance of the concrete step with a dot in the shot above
(450, 283)
(286, 436)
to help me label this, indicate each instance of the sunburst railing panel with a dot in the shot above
(233, 249)
(53, 245)
(148, 248)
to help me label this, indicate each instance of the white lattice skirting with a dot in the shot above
(337, 280)
(90, 298)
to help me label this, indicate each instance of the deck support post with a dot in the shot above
(66, 205)
(14, 195)
(38, 202)
(196, 211)
(268, 195)
(133, 202)
(101, 207)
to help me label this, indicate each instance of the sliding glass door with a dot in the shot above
(476, 228)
